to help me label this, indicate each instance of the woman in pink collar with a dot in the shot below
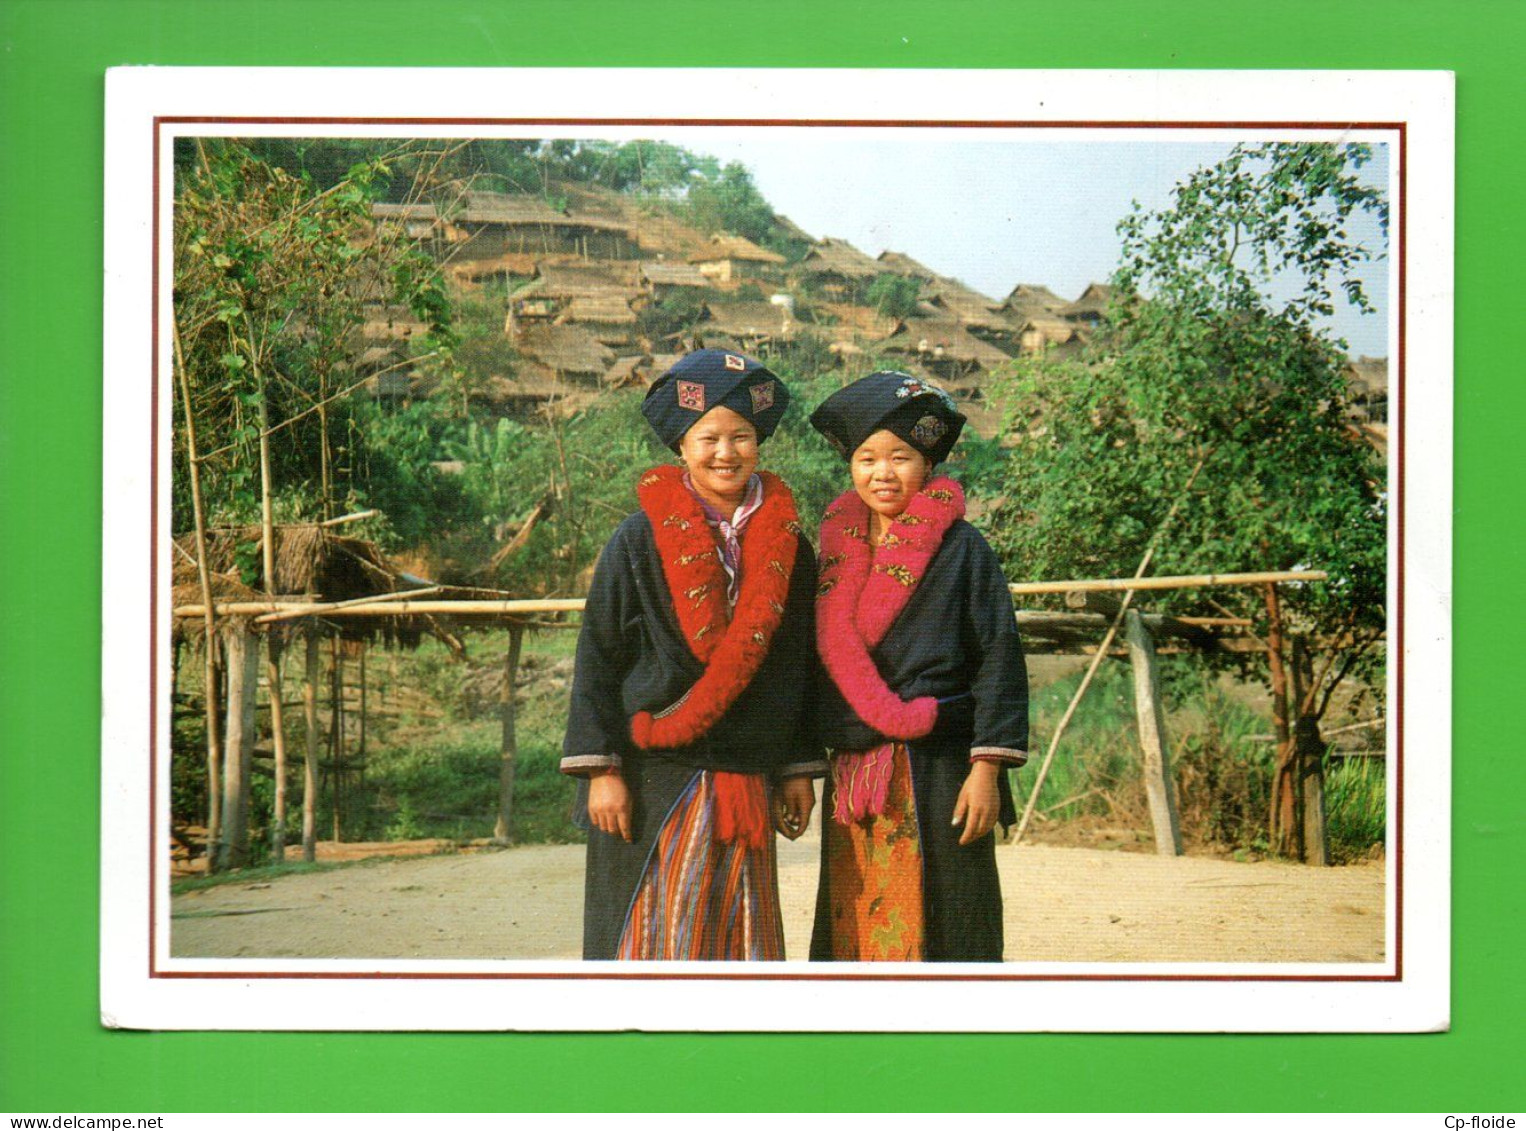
(925, 703)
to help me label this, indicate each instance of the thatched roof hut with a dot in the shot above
(966, 306)
(1091, 306)
(747, 321)
(944, 346)
(311, 562)
(672, 275)
(895, 263)
(606, 308)
(1029, 300)
(570, 351)
(839, 257)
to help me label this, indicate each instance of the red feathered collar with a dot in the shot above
(862, 593)
(731, 645)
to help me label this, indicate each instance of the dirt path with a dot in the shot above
(1062, 904)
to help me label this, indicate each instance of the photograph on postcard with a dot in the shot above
(742, 549)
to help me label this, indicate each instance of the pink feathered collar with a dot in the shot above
(862, 593)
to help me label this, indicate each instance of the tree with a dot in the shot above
(1204, 365)
(894, 296)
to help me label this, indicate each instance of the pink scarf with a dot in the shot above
(861, 594)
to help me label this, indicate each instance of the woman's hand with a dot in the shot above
(609, 803)
(793, 802)
(979, 802)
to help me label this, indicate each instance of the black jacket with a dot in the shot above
(632, 657)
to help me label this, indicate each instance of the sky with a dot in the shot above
(992, 211)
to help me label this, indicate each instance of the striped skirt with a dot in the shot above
(701, 899)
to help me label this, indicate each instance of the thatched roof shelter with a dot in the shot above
(839, 257)
(568, 280)
(568, 350)
(752, 321)
(673, 275)
(1029, 300)
(625, 371)
(792, 230)
(311, 562)
(966, 306)
(1091, 306)
(723, 245)
(944, 340)
(895, 263)
(607, 308)
(512, 210)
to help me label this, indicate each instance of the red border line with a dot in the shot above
(1403, 237)
(153, 584)
(1396, 976)
(877, 123)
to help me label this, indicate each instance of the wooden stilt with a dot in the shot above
(1309, 747)
(1283, 818)
(278, 744)
(361, 742)
(503, 828)
(1159, 787)
(243, 687)
(310, 755)
(336, 737)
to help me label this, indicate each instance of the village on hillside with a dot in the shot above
(604, 293)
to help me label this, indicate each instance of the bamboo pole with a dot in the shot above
(356, 517)
(315, 608)
(376, 607)
(208, 615)
(1102, 650)
(503, 828)
(310, 755)
(1186, 581)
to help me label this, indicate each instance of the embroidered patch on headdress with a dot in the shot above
(691, 395)
(928, 431)
(762, 396)
(737, 363)
(914, 387)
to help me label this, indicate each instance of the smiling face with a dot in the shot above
(887, 473)
(721, 453)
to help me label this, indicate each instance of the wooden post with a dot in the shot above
(1309, 746)
(243, 688)
(278, 742)
(1152, 736)
(336, 735)
(1283, 817)
(310, 757)
(503, 828)
(361, 743)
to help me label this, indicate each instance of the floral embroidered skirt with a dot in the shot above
(873, 871)
(700, 898)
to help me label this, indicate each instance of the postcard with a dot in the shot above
(518, 482)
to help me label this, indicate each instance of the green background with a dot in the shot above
(53, 1055)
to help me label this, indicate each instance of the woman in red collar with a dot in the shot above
(926, 704)
(691, 720)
